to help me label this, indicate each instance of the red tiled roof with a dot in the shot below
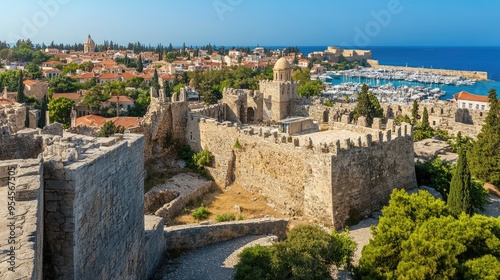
(98, 121)
(146, 76)
(122, 99)
(107, 76)
(86, 76)
(128, 75)
(73, 96)
(167, 77)
(463, 95)
(29, 82)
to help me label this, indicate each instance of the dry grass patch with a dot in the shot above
(223, 201)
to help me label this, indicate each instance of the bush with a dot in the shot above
(201, 213)
(203, 158)
(225, 218)
(109, 129)
(237, 144)
(328, 103)
(308, 253)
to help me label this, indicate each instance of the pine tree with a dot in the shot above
(414, 112)
(485, 152)
(459, 199)
(20, 90)
(425, 120)
(140, 67)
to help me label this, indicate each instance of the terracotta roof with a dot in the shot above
(167, 77)
(463, 95)
(98, 121)
(122, 98)
(73, 96)
(106, 76)
(128, 75)
(29, 82)
(146, 76)
(86, 76)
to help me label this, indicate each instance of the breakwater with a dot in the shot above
(477, 75)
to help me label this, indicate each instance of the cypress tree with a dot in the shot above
(414, 112)
(485, 152)
(155, 83)
(20, 89)
(459, 199)
(425, 119)
(43, 110)
(140, 67)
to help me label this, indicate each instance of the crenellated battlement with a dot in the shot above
(368, 137)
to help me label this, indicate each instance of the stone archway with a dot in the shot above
(250, 115)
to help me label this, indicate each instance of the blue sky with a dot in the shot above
(359, 23)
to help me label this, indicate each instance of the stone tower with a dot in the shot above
(89, 45)
(279, 93)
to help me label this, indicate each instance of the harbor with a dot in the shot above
(400, 85)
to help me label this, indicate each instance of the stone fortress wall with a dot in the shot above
(328, 181)
(21, 186)
(94, 207)
(12, 118)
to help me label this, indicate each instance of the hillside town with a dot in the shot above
(120, 162)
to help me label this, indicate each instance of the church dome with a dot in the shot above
(282, 64)
(89, 41)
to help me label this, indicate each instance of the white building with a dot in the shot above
(471, 101)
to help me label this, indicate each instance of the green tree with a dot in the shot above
(203, 158)
(308, 253)
(459, 199)
(302, 75)
(155, 83)
(310, 88)
(60, 110)
(367, 105)
(425, 120)
(109, 129)
(20, 89)
(140, 66)
(9, 79)
(34, 72)
(414, 113)
(485, 153)
(42, 122)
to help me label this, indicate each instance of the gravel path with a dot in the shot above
(213, 262)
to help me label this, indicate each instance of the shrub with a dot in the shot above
(328, 103)
(109, 129)
(225, 218)
(201, 213)
(203, 158)
(241, 217)
(237, 144)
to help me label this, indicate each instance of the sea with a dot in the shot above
(485, 59)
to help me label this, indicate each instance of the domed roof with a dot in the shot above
(89, 41)
(282, 64)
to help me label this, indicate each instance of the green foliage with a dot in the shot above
(42, 122)
(201, 213)
(302, 75)
(139, 66)
(486, 267)
(425, 120)
(310, 88)
(417, 238)
(227, 217)
(109, 129)
(20, 98)
(60, 110)
(459, 142)
(435, 173)
(308, 253)
(237, 144)
(405, 213)
(414, 113)
(9, 79)
(402, 119)
(485, 153)
(459, 199)
(203, 158)
(33, 70)
(62, 84)
(328, 103)
(367, 106)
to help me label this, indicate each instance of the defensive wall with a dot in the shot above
(327, 180)
(477, 75)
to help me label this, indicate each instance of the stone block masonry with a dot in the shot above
(21, 220)
(94, 219)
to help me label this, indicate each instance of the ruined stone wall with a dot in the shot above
(196, 236)
(13, 116)
(21, 227)
(363, 177)
(238, 102)
(94, 219)
(163, 123)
